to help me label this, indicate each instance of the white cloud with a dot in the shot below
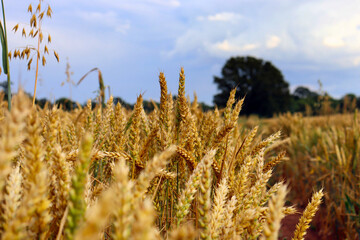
(224, 17)
(356, 61)
(323, 33)
(273, 41)
(249, 47)
(225, 46)
(333, 42)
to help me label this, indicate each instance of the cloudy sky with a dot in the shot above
(131, 41)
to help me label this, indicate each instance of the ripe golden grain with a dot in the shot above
(91, 172)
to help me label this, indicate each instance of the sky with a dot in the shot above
(132, 41)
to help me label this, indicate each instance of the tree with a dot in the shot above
(305, 93)
(304, 100)
(262, 83)
(67, 104)
(348, 103)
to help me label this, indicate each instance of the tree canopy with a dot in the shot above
(302, 92)
(303, 98)
(261, 82)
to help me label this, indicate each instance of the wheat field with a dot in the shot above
(112, 173)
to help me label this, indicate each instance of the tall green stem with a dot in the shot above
(5, 49)
(9, 91)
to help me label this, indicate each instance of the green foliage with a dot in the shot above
(303, 99)
(5, 58)
(67, 104)
(261, 82)
(123, 103)
(320, 103)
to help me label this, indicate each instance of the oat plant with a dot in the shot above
(35, 31)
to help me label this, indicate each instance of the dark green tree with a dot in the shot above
(261, 82)
(123, 103)
(348, 103)
(303, 96)
(302, 92)
(66, 103)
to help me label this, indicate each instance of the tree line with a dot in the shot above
(267, 93)
(262, 84)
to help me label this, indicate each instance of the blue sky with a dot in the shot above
(131, 41)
